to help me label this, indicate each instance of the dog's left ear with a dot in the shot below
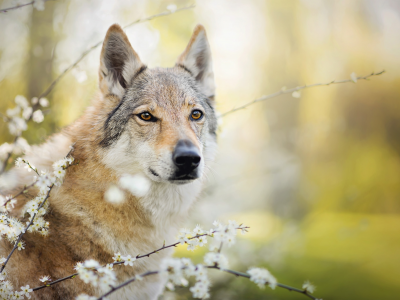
(118, 62)
(197, 60)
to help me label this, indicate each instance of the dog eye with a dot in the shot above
(196, 115)
(146, 116)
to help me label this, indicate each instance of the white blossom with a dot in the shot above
(107, 277)
(200, 273)
(172, 8)
(117, 257)
(17, 295)
(5, 149)
(138, 277)
(26, 290)
(78, 266)
(59, 174)
(88, 276)
(18, 162)
(216, 223)
(261, 277)
(307, 286)
(192, 244)
(172, 267)
(200, 290)
(21, 146)
(296, 94)
(214, 258)
(128, 260)
(44, 102)
(353, 77)
(3, 275)
(21, 245)
(13, 112)
(38, 116)
(43, 182)
(202, 240)
(80, 75)
(27, 112)
(137, 185)
(114, 195)
(182, 238)
(224, 234)
(91, 263)
(16, 125)
(45, 279)
(21, 101)
(197, 230)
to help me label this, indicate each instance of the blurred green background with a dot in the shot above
(316, 178)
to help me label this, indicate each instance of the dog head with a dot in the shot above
(161, 122)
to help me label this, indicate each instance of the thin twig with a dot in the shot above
(4, 10)
(288, 91)
(113, 289)
(284, 286)
(137, 257)
(84, 54)
(25, 189)
(236, 273)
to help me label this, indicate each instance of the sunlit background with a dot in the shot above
(317, 178)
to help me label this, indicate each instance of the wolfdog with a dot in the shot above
(159, 123)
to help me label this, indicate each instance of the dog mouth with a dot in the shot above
(179, 177)
(153, 172)
(184, 177)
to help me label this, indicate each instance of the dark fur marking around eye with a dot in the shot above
(119, 116)
(116, 122)
(111, 134)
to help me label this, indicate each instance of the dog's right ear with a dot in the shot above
(118, 62)
(197, 60)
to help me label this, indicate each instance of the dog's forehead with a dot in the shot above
(168, 87)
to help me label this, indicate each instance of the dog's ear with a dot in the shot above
(118, 62)
(197, 60)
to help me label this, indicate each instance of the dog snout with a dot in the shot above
(186, 156)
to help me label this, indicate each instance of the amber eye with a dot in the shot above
(146, 116)
(196, 115)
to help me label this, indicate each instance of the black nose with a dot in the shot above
(186, 156)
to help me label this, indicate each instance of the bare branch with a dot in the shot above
(5, 10)
(289, 91)
(284, 286)
(236, 273)
(24, 190)
(113, 289)
(84, 54)
(137, 257)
